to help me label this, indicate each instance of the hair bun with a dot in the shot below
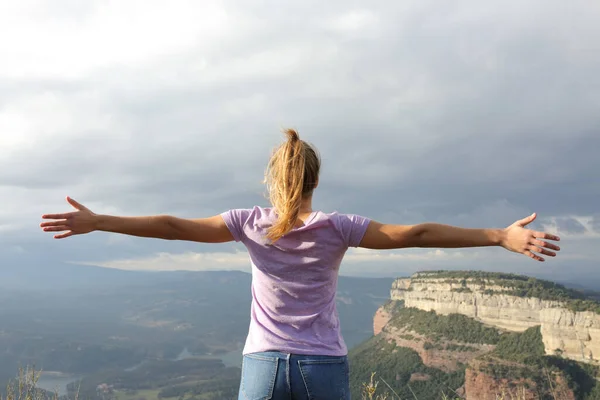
(292, 135)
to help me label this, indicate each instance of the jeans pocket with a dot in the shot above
(326, 379)
(258, 377)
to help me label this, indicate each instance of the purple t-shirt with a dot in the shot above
(294, 280)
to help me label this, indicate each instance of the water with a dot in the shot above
(232, 359)
(56, 382)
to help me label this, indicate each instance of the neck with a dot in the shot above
(306, 206)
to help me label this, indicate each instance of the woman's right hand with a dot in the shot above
(72, 223)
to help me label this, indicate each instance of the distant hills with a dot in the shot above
(33, 272)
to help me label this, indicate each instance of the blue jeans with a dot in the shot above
(281, 376)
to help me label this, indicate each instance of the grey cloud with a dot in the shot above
(460, 114)
(569, 225)
(595, 223)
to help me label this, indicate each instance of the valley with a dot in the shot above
(181, 330)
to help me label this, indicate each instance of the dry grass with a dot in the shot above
(520, 395)
(370, 391)
(24, 387)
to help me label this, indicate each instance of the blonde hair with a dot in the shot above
(292, 174)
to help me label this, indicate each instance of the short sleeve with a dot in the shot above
(235, 220)
(353, 228)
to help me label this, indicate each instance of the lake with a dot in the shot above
(232, 359)
(56, 381)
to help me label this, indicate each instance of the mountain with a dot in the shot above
(480, 336)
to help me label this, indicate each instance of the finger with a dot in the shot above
(75, 204)
(526, 220)
(59, 228)
(57, 216)
(542, 251)
(541, 243)
(64, 235)
(544, 235)
(53, 223)
(532, 255)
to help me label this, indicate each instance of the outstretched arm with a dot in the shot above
(83, 220)
(515, 238)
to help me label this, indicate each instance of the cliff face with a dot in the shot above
(382, 317)
(576, 335)
(481, 386)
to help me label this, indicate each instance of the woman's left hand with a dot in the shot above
(519, 239)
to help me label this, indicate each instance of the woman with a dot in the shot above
(294, 349)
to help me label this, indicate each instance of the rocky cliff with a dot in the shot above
(482, 386)
(508, 303)
(480, 336)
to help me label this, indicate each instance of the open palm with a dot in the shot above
(78, 222)
(529, 242)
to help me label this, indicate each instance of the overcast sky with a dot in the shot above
(473, 113)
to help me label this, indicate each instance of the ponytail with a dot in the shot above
(291, 175)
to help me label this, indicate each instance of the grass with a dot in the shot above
(372, 390)
(25, 388)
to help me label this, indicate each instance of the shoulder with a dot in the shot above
(245, 215)
(343, 219)
(261, 213)
(351, 227)
(239, 219)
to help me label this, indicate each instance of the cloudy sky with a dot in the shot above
(471, 113)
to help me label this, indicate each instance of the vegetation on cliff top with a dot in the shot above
(516, 285)
(524, 347)
(392, 307)
(454, 327)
